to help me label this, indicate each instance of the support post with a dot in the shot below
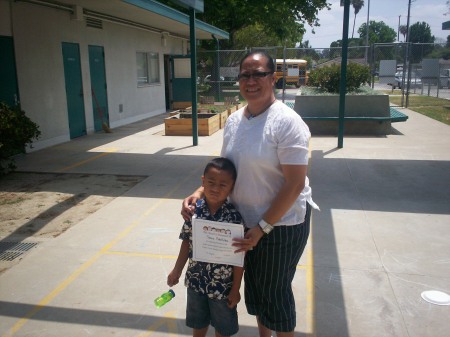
(367, 34)
(193, 76)
(284, 73)
(215, 78)
(342, 86)
(408, 40)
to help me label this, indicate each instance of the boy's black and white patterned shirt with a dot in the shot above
(214, 280)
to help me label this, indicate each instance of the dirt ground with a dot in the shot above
(45, 205)
(40, 206)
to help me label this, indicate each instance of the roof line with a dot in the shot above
(163, 10)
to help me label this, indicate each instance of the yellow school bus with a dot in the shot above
(295, 72)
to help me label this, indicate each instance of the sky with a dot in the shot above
(388, 11)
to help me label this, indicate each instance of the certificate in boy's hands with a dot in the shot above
(212, 242)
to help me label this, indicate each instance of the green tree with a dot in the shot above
(420, 32)
(254, 36)
(379, 32)
(441, 52)
(353, 51)
(403, 30)
(285, 19)
(307, 53)
(357, 5)
(420, 36)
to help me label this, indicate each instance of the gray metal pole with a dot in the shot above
(193, 76)
(284, 73)
(215, 78)
(367, 31)
(342, 87)
(408, 41)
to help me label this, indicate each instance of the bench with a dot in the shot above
(355, 125)
(395, 116)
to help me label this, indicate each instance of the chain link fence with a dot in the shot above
(426, 73)
(218, 70)
(217, 73)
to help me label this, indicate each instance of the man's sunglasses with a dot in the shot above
(256, 75)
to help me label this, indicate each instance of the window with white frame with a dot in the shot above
(147, 68)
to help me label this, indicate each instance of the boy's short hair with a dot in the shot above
(222, 164)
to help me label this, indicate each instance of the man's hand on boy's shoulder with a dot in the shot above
(188, 206)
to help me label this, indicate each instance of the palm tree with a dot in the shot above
(357, 5)
(403, 31)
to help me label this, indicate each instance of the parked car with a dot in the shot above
(444, 80)
(208, 78)
(398, 80)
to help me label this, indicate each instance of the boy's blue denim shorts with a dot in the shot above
(201, 311)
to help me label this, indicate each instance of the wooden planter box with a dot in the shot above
(234, 108)
(177, 126)
(231, 109)
(181, 124)
(206, 109)
(223, 118)
(181, 111)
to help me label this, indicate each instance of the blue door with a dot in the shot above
(98, 86)
(181, 78)
(74, 89)
(9, 92)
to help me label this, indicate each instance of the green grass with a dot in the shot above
(12, 201)
(391, 92)
(433, 107)
(439, 113)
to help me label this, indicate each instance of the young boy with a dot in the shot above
(213, 289)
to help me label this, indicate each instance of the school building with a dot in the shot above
(75, 65)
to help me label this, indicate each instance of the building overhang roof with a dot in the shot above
(144, 14)
(446, 25)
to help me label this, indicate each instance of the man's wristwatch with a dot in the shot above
(266, 227)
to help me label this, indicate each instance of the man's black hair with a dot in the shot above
(270, 61)
(222, 164)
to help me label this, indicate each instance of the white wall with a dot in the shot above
(38, 33)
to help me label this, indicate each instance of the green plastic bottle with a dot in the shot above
(164, 298)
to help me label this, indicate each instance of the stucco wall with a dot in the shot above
(38, 33)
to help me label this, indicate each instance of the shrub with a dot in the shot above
(203, 87)
(328, 78)
(16, 131)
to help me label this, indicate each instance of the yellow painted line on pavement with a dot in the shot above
(42, 303)
(309, 280)
(309, 270)
(80, 163)
(168, 320)
(64, 284)
(159, 256)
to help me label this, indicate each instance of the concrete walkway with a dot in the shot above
(382, 237)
